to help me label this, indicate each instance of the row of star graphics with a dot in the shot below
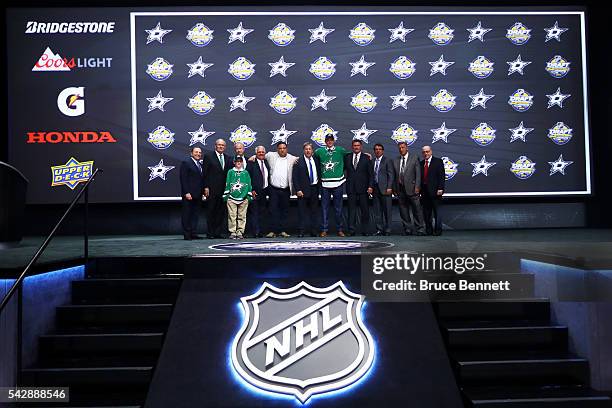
(361, 34)
(482, 134)
(324, 68)
(363, 101)
(523, 168)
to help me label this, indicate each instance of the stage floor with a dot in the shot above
(585, 248)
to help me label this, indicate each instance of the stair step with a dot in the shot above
(109, 291)
(109, 315)
(103, 343)
(535, 397)
(502, 309)
(92, 376)
(520, 368)
(134, 359)
(502, 334)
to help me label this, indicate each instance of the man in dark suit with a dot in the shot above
(407, 187)
(358, 171)
(216, 165)
(259, 170)
(432, 189)
(306, 177)
(192, 188)
(382, 184)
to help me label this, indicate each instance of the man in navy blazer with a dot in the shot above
(382, 183)
(216, 165)
(192, 189)
(358, 171)
(259, 170)
(306, 181)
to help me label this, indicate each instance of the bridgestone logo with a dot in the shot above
(34, 27)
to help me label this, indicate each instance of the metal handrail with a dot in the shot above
(44, 245)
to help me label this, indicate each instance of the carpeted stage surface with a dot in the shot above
(589, 248)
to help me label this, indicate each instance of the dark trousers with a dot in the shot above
(256, 213)
(431, 212)
(307, 210)
(326, 197)
(408, 204)
(279, 208)
(382, 211)
(190, 213)
(217, 215)
(355, 200)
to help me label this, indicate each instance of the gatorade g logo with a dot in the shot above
(303, 340)
(71, 101)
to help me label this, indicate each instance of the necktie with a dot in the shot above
(222, 161)
(376, 168)
(199, 166)
(425, 171)
(263, 173)
(355, 161)
(403, 165)
(310, 173)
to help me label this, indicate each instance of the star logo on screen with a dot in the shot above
(554, 32)
(480, 99)
(483, 134)
(363, 133)
(519, 132)
(199, 136)
(159, 170)
(361, 66)
(439, 66)
(281, 135)
(280, 67)
(523, 167)
(200, 35)
(401, 99)
(405, 133)
(450, 168)
(321, 100)
(557, 98)
(158, 102)
(157, 34)
(558, 166)
(442, 133)
(319, 33)
(239, 33)
(281, 35)
(478, 32)
(517, 65)
(560, 133)
(441, 34)
(399, 33)
(482, 167)
(198, 68)
(240, 101)
(518, 34)
(201, 103)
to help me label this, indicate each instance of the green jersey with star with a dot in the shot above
(238, 186)
(332, 165)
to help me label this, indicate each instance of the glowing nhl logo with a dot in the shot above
(483, 134)
(302, 341)
(323, 68)
(244, 135)
(161, 138)
(405, 133)
(318, 135)
(241, 69)
(159, 69)
(283, 102)
(481, 67)
(518, 34)
(558, 67)
(441, 34)
(281, 34)
(560, 133)
(201, 103)
(362, 34)
(443, 101)
(520, 100)
(363, 101)
(200, 35)
(523, 168)
(402, 67)
(450, 168)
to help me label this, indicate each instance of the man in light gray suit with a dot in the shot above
(407, 187)
(382, 183)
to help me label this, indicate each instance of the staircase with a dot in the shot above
(506, 353)
(107, 341)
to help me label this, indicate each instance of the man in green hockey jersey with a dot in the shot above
(237, 194)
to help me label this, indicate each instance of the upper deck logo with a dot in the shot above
(200, 35)
(281, 35)
(441, 34)
(71, 173)
(303, 340)
(362, 34)
(558, 66)
(518, 34)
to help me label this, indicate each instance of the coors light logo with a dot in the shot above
(49, 61)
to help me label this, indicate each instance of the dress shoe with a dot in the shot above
(379, 234)
(284, 235)
(270, 235)
(341, 234)
(323, 234)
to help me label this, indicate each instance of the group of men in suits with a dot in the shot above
(275, 176)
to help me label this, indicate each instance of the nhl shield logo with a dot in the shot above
(303, 340)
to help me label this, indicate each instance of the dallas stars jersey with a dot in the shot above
(238, 186)
(332, 165)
